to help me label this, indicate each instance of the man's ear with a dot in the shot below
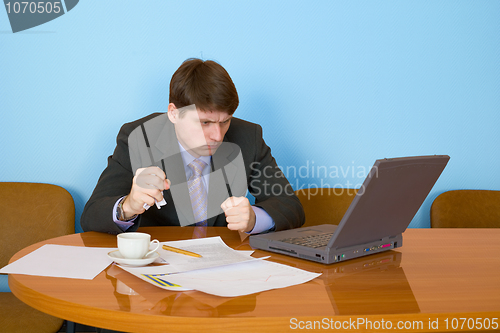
(173, 113)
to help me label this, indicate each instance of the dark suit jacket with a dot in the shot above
(265, 181)
(227, 169)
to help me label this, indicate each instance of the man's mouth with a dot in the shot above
(213, 146)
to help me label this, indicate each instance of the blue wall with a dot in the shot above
(335, 84)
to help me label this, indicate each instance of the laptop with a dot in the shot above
(381, 211)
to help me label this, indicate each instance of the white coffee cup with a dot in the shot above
(136, 245)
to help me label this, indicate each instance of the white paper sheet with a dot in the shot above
(221, 271)
(213, 250)
(75, 262)
(242, 279)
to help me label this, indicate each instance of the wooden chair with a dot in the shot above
(466, 209)
(30, 213)
(325, 205)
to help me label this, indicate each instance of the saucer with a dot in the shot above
(118, 258)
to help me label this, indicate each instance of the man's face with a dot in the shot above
(199, 132)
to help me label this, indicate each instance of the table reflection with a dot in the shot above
(388, 290)
(135, 295)
(369, 285)
(342, 289)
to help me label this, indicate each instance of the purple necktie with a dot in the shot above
(197, 192)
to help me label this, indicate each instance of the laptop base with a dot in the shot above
(272, 242)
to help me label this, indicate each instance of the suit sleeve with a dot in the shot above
(114, 183)
(271, 189)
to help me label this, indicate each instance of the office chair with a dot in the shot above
(325, 205)
(30, 213)
(466, 209)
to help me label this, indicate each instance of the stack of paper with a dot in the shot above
(220, 271)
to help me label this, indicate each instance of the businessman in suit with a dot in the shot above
(192, 165)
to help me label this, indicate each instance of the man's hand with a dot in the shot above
(239, 214)
(147, 186)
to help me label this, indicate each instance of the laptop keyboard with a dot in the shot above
(313, 241)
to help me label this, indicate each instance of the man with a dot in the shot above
(187, 166)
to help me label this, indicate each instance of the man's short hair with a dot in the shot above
(205, 84)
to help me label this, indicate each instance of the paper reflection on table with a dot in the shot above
(134, 295)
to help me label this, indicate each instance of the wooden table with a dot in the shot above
(438, 277)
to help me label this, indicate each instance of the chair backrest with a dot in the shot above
(30, 213)
(466, 209)
(325, 205)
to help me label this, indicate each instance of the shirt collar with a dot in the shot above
(188, 158)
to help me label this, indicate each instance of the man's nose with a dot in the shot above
(216, 133)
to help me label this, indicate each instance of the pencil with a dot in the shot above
(176, 250)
